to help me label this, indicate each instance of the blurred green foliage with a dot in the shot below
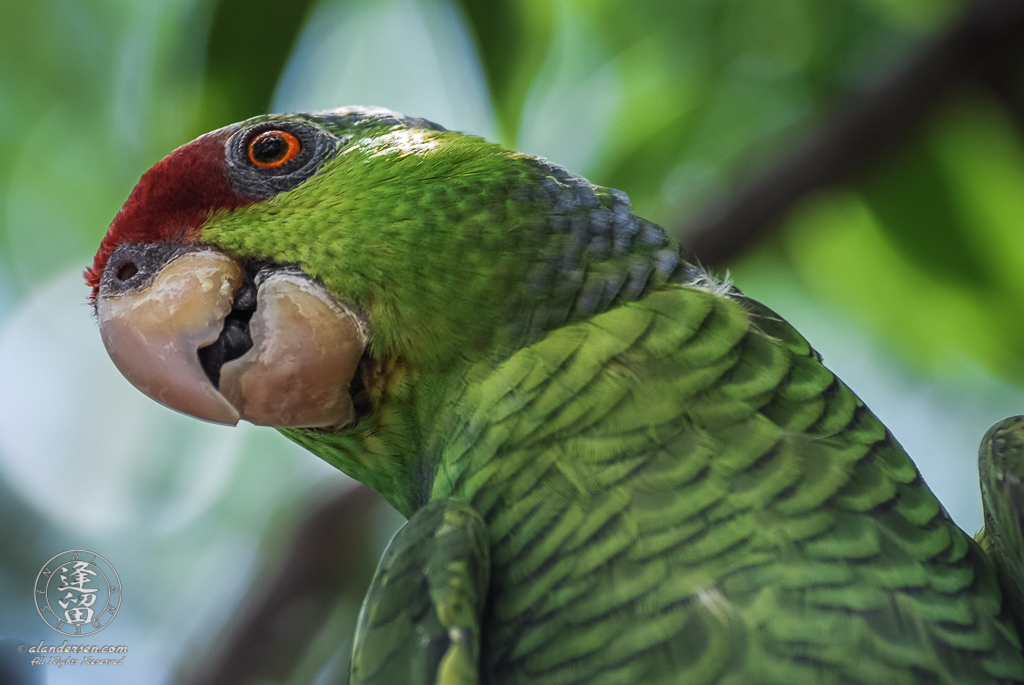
(248, 47)
(513, 39)
(927, 249)
(678, 103)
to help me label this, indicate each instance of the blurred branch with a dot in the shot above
(328, 557)
(974, 50)
(1007, 83)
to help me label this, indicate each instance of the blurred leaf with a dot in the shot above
(55, 64)
(574, 100)
(843, 253)
(917, 14)
(513, 38)
(911, 194)
(981, 152)
(250, 43)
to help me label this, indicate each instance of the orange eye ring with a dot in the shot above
(273, 148)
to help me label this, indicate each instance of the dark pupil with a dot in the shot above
(126, 271)
(269, 149)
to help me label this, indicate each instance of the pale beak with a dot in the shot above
(305, 349)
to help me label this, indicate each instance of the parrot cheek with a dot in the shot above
(152, 334)
(305, 349)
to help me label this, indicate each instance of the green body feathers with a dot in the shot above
(617, 470)
(675, 495)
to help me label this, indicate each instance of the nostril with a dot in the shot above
(126, 271)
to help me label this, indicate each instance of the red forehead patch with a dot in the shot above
(172, 200)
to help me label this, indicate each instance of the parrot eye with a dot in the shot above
(273, 148)
(273, 156)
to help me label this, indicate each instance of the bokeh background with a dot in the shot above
(857, 165)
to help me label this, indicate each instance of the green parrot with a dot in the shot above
(616, 468)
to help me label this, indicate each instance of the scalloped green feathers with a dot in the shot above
(675, 495)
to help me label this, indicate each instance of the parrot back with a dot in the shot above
(678, 491)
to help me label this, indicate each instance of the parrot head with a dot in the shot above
(313, 271)
(216, 333)
(249, 271)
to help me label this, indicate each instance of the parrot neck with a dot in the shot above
(562, 251)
